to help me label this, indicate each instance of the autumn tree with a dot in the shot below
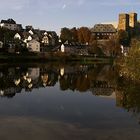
(92, 40)
(84, 35)
(81, 35)
(113, 46)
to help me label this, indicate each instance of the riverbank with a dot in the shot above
(45, 57)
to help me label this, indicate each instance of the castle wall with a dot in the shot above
(127, 21)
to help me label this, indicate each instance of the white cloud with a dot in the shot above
(64, 6)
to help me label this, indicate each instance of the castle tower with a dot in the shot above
(123, 22)
(132, 20)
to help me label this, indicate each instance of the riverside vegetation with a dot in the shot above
(130, 64)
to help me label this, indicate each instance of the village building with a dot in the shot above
(11, 25)
(46, 39)
(29, 27)
(29, 38)
(1, 44)
(103, 31)
(62, 48)
(74, 50)
(49, 38)
(17, 36)
(30, 35)
(33, 46)
(31, 32)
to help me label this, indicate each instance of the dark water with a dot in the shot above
(67, 102)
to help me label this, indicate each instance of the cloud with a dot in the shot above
(64, 6)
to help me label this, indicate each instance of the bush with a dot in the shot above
(131, 62)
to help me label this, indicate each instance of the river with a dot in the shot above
(56, 101)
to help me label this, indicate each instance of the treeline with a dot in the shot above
(6, 34)
(84, 35)
(81, 35)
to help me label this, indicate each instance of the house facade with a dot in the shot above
(103, 31)
(11, 25)
(49, 38)
(33, 46)
(46, 39)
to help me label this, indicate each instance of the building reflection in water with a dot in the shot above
(70, 77)
(100, 80)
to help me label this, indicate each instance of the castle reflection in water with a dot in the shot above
(99, 79)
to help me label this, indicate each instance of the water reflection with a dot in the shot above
(100, 80)
(94, 78)
(128, 96)
(71, 100)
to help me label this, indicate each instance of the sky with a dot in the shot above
(56, 14)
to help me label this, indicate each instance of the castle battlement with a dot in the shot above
(127, 21)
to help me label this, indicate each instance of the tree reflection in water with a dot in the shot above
(100, 80)
(128, 95)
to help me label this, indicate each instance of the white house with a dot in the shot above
(1, 44)
(62, 48)
(17, 36)
(31, 32)
(33, 46)
(45, 33)
(29, 38)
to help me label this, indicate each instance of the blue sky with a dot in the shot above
(55, 14)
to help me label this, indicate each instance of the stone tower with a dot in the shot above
(123, 22)
(132, 20)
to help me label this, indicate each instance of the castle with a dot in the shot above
(127, 22)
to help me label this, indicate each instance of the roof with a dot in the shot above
(9, 21)
(104, 28)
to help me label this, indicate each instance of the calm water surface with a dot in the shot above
(67, 102)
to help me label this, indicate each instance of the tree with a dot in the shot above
(74, 34)
(123, 38)
(84, 35)
(131, 64)
(113, 46)
(66, 35)
(92, 40)
(20, 46)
